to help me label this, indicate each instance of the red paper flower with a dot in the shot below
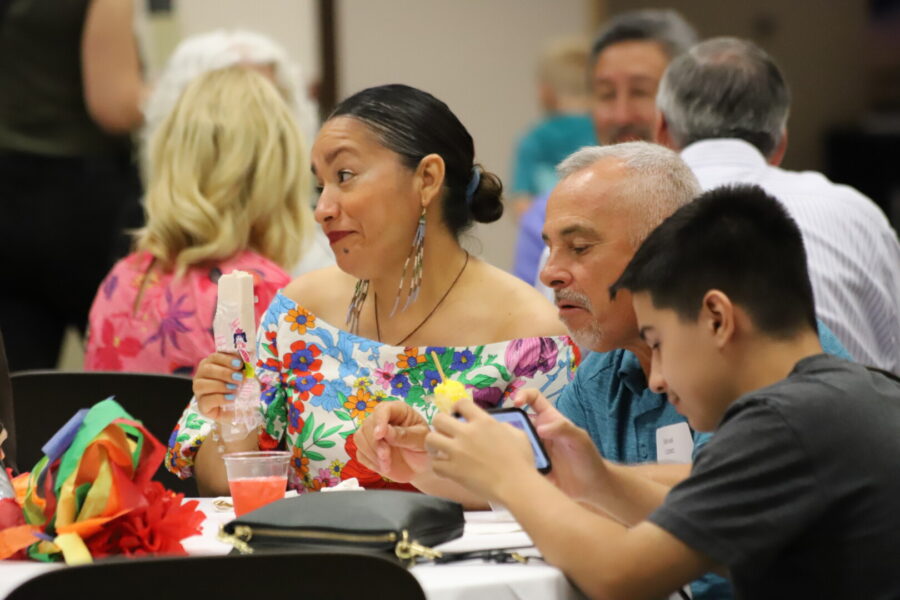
(155, 528)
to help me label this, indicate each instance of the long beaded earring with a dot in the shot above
(416, 255)
(356, 304)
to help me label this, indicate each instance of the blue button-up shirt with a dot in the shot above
(609, 398)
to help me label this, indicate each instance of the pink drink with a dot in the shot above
(252, 492)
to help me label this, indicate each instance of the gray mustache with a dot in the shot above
(573, 297)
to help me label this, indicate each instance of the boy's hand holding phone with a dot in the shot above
(481, 452)
(579, 469)
(519, 419)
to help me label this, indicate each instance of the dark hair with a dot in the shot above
(414, 124)
(665, 27)
(736, 239)
(725, 88)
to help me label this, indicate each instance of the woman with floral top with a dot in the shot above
(205, 216)
(398, 185)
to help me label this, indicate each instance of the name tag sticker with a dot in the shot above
(674, 444)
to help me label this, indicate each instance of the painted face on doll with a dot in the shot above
(367, 203)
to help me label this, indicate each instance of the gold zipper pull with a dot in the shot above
(410, 550)
(242, 534)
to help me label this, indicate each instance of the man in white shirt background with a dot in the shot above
(724, 105)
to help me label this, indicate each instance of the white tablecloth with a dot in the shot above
(470, 580)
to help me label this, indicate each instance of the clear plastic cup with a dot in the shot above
(256, 478)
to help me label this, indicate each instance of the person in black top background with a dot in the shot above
(70, 91)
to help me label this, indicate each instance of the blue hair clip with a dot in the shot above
(473, 184)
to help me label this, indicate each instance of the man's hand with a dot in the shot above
(391, 441)
(479, 453)
(578, 468)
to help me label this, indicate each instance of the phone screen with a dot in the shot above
(519, 419)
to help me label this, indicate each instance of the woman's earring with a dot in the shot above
(416, 255)
(356, 304)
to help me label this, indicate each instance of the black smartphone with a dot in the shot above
(518, 418)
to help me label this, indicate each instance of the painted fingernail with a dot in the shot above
(237, 376)
(236, 362)
(229, 396)
(231, 386)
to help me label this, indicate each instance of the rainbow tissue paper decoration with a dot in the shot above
(92, 494)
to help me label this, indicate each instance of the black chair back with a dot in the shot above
(7, 417)
(44, 400)
(338, 576)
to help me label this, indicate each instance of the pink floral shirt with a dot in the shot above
(171, 329)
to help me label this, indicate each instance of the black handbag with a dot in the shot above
(405, 524)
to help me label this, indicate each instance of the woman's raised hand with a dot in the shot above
(215, 384)
(391, 441)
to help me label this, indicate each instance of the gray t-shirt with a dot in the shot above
(798, 492)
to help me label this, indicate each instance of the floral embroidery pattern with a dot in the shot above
(320, 385)
(410, 359)
(526, 357)
(303, 358)
(400, 385)
(384, 375)
(360, 404)
(430, 379)
(324, 479)
(306, 384)
(300, 320)
(462, 360)
(295, 421)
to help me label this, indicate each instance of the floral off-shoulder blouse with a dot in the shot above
(320, 382)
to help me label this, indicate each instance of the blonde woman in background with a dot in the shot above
(222, 48)
(227, 189)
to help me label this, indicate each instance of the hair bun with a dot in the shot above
(487, 201)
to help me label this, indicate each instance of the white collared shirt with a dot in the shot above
(853, 254)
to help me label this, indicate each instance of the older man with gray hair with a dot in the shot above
(724, 104)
